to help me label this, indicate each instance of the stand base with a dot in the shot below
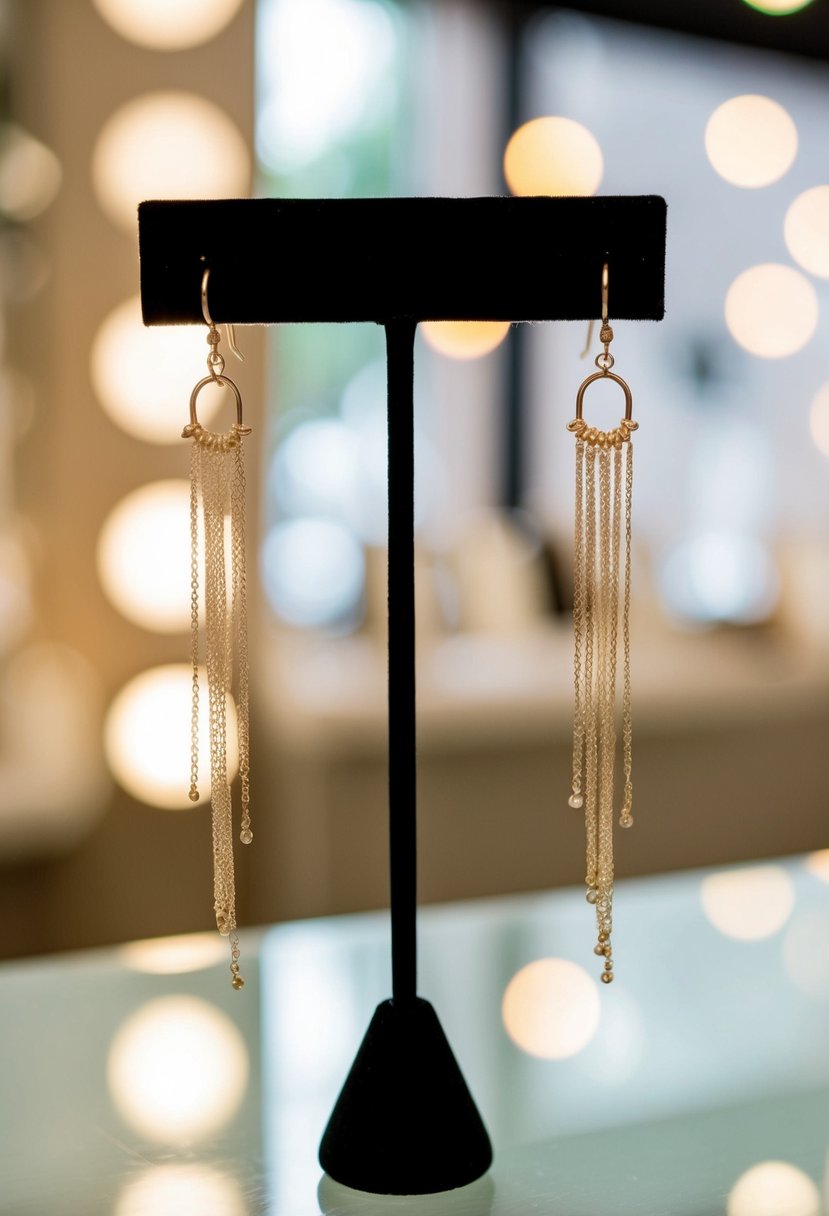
(405, 1122)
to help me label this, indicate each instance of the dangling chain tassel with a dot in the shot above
(217, 479)
(604, 488)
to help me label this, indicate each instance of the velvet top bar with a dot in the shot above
(511, 259)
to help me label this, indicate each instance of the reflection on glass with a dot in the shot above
(778, 8)
(551, 1008)
(177, 1070)
(818, 864)
(167, 145)
(125, 352)
(771, 310)
(143, 556)
(748, 904)
(474, 1200)
(553, 155)
(173, 955)
(805, 956)
(806, 229)
(181, 1190)
(751, 140)
(774, 1188)
(163, 26)
(464, 339)
(147, 737)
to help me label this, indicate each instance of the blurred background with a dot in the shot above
(721, 108)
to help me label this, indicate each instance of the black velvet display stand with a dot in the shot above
(405, 1122)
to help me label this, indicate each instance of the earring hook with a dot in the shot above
(591, 323)
(205, 312)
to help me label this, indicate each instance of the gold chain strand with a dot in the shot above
(626, 817)
(604, 860)
(240, 611)
(195, 483)
(590, 611)
(576, 797)
(214, 487)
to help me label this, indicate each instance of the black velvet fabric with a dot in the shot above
(513, 259)
(405, 1123)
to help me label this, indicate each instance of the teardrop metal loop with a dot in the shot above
(604, 375)
(238, 426)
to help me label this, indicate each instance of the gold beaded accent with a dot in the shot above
(601, 577)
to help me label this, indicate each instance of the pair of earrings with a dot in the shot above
(601, 569)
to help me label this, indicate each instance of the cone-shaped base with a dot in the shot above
(405, 1122)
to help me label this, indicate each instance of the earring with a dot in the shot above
(217, 481)
(601, 566)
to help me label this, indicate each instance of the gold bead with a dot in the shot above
(194, 794)
(246, 835)
(604, 935)
(607, 977)
(237, 982)
(598, 949)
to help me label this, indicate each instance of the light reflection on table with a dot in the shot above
(709, 1060)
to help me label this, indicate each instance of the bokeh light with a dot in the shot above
(778, 8)
(819, 419)
(805, 956)
(327, 73)
(181, 1190)
(720, 577)
(748, 904)
(167, 145)
(317, 471)
(129, 357)
(771, 310)
(551, 1009)
(751, 141)
(173, 955)
(774, 1188)
(818, 864)
(177, 1070)
(464, 339)
(143, 556)
(147, 737)
(806, 229)
(313, 572)
(30, 174)
(163, 26)
(553, 155)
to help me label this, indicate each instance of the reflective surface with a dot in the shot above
(137, 1083)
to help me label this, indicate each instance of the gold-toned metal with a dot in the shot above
(238, 427)
(606, 374)
(230, 330)
(217, 483)
(605, 292)
(601, 585)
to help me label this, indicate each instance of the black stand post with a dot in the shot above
(405, 1122)
(400, 336)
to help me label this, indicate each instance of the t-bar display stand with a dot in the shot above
(405, 1122)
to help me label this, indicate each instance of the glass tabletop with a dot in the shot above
(136, 1082)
